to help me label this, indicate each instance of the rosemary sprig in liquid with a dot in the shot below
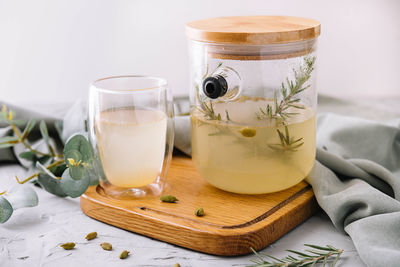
(289, 92)
(287, 143)
(279, 110)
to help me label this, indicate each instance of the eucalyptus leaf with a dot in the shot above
(44, 170)
(20, 148)
(39, 145)
(72, 154)
(28, 155)
(22, 196)
(77, 172)
(6, 210)
(45, 134)
(58, 170)
(44, 131)
(44, 160)
(79, 143)
(71, 187)
(28, 128)
(8, 141)
(51, 185)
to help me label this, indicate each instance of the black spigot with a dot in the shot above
(215, 86)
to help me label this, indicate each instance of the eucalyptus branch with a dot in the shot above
(56, 163)
(22, 137)
(68, 174)
(14, 128)
(312, 256)
(31, 149)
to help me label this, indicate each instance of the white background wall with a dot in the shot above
(51, 50)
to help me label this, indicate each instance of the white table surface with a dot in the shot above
(32, 236)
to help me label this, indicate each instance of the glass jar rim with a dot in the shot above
(158, 83)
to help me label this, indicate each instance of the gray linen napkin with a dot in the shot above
(356, 180)
(356, 177)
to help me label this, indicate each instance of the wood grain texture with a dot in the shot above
(232, 223)
(254, 30)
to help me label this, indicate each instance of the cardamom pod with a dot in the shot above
(91, 236)
(68, 246)
(199, 212)
(106, 246)
(248, 132)
(124, 254)
(168, 198)
(177, 265)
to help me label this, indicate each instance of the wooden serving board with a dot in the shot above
(232, 223)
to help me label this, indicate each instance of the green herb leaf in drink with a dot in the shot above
(289, 94)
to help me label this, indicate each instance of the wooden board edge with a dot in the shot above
(225, 243)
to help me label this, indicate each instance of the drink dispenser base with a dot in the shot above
(253, 101)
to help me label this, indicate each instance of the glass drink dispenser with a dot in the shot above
(253, 101)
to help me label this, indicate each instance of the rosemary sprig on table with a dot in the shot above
(287, 143)
(312, 256)
(289, 92)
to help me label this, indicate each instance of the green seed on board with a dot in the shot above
(91, 236)
(168, 198)
(124, 254)
(68, 246)
(106, 246)
(199, 212)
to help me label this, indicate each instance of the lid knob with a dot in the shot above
(215, 86)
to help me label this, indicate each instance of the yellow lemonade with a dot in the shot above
(246, 154)
(131, 144)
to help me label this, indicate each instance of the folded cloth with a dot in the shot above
(356, 178)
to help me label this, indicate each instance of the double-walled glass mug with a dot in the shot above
(131, 129)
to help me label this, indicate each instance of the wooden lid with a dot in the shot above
(256, 30)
